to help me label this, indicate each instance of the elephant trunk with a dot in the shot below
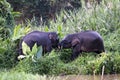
(60, 46)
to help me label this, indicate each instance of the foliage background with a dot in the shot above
(42, 10)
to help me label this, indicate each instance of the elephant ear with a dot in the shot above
(50, 36)
(75, 42)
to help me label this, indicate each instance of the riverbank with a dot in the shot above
(26, 76)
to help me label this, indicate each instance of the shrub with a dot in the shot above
(9, 47)
(6, 17)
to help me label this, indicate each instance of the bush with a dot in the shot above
(7, 54)
(9, 47)
(6, 17)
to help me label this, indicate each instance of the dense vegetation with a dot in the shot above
(104, 18)
(41, 11)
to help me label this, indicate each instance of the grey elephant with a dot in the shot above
(48, 41)
(85, 41)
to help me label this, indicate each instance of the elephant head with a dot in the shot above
(53, 36)
(69, 41)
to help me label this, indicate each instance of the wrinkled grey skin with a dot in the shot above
(85, 41)
(48, 41)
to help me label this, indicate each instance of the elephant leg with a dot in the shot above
(76, 52)
(46, 49)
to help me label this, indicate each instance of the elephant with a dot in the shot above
(48, 41)
(84, 41)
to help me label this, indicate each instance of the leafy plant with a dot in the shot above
(20, 32)
(5, 14)
(35, 53)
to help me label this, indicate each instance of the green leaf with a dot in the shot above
(25, 48)
(16, 14)
(27, 29)
(16, 34)
(16, 30)
(2, 50)
(19, 31)
(46, 29)
(59, 28)
(34, 49)
(39, 53)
